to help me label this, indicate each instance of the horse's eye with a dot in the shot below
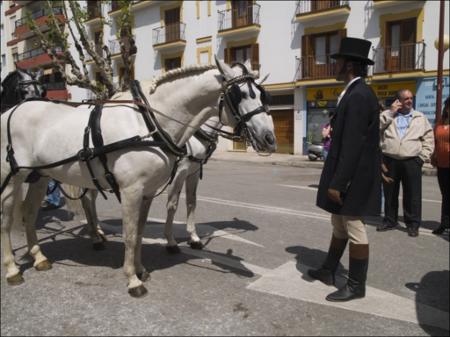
(244, 95)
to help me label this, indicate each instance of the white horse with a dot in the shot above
(44, 132)
(189, 172)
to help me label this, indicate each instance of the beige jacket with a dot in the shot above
(418, 140)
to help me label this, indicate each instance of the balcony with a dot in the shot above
(236, 21)
(395, 3)
(94, 13)
(309, 10)
(316, 67)
(34, 58)
(406, 57)
(169, 37)
(114, 47)
(40, 17)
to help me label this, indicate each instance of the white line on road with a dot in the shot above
(315, 189)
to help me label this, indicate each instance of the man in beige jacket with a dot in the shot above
(407, 142)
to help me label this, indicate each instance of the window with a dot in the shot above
(172, 63)
(12, 24)
(204, 57)
(242, 53)
(400, 45)
(15, 54)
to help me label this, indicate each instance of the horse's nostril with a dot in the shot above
(269, 139)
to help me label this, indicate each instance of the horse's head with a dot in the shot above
(246, 106)
(28, 84)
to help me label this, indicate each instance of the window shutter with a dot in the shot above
(255, 56)
(227, 55)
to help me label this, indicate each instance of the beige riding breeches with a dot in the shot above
(349, 227)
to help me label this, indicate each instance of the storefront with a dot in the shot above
(321, 102)
(426, 95)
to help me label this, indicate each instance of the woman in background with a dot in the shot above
(440, 159)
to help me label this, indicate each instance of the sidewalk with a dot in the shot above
(285, 160)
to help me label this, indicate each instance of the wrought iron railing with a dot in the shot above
(239, 17)
(403, 57)
(35, 52)
(315, 67)
(114, 46)
(94, 11)
(311, 6)
(54, 85)
(169, 33)
(39, 13)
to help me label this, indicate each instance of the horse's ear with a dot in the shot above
(39, 73)
(248, 65)
(259, 82)
(224, 69)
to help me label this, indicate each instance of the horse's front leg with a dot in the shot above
(35, 194)
(141, 272)
(172, 205)
(191, 202)
(10, 206)
(90, 209)
(132, 199)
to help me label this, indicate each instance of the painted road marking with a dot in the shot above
(315, 189)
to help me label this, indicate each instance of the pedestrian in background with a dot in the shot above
(350, 184)
(407, 142)
(53, 199)
(440, 159)
(326, 137)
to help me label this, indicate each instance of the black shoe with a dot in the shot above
(385, 227)
(413, 232)
(440, 230)
(349, 292)
(323, 275)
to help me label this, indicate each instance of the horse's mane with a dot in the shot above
(177, 73)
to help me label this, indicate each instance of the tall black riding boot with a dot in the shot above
(357, 274)
(326, 273)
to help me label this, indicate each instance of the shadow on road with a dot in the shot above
(432, 290)
(314, 258)
(78, 248)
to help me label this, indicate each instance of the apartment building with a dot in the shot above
(291, 40)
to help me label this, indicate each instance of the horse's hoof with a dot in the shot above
(98, 245)
(173, 249)
(138, 291)
(15, 280)
(144, 276)
(44, 265)
(196, 245)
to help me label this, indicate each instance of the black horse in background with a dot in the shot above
(19, 85)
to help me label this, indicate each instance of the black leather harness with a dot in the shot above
(86, 154)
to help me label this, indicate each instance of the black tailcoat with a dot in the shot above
(353, 165)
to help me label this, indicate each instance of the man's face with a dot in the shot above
(341, 70)
(406, 98)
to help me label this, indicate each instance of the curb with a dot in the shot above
(426, 171)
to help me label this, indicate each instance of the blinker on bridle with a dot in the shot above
(232, 97)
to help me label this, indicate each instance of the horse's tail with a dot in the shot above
(73, 202)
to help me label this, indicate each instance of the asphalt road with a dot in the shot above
(261, 232)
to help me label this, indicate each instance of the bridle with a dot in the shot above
(231, 97)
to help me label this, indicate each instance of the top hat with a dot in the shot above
(353, 48)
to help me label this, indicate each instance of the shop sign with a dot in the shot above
(323, 93)
(388, 90)
(426, 95)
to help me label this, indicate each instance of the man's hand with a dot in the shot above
(387, 179)
(335, 196)
(395, 107)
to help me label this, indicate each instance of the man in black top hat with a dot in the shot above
(350, 185)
